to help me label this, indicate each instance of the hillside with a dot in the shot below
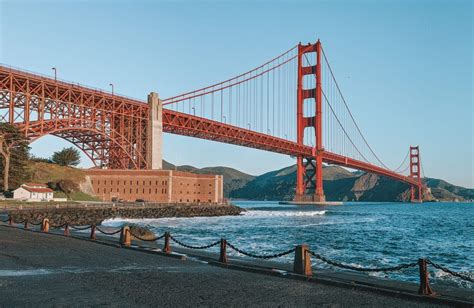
(342, 185)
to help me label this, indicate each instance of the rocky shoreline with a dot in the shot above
(95, 215)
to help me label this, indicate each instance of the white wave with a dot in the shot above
(283, 213)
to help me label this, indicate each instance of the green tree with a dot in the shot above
(14, 153)
(67, 157)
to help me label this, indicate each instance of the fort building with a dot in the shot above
(164, 186)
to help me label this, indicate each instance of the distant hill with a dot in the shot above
(339, 185)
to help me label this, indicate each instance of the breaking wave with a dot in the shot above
(284, 213)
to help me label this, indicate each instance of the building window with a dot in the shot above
(143, 190)
(98, 190)
(104, 190)
(105, 182)
(136, 191)
(130, 191)
(149, 191)
(92, 181)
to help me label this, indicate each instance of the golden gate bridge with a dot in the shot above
(291, 105)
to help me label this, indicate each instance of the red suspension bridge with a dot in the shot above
(291, 105)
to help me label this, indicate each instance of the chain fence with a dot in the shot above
(453, 273)
(108, 233)
(363, 269)
(147, 239)
(248, 254)
(194, 247)
(252, 255)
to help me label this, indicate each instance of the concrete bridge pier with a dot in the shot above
(154, 155)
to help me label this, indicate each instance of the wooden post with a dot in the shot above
(223, 252)
(125, 238)
(92, 237)
(10, 220)
(425, 288)
(45, 225)
(66, 229)
(302, 263)
(166, 247)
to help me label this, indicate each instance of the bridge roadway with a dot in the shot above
(173, 122)
(39, 269)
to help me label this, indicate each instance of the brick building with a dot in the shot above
(155, 186)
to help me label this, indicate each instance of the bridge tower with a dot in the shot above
(415, 173)
(154, 132)
(309, 174)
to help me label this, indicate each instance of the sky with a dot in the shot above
(405, 67)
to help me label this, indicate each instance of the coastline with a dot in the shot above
(95, 214)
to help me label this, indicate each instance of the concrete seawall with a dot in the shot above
(95, 215)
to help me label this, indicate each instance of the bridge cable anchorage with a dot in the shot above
(248, 254)
(350, 113)
(148, 239)
(453, 273)
(194, 247)
(363, 269)
(108, 233)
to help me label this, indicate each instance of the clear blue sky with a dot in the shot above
(405, 67)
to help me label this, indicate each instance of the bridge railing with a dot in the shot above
(11, 68)
(302, 253)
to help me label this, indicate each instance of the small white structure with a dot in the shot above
(33, 192)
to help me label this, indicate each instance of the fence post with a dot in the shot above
(10, 220)
(45, 225)
(302, 263)
(125, 238)
(425, 288)
(166, 247)
(223, 251)
(92, 237)
(66, 229)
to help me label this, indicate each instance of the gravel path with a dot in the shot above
(43, 270)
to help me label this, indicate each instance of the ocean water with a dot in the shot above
(359, 234)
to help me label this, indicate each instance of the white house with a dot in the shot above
(33, 192)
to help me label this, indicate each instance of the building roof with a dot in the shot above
(35, 184)
(38, 190)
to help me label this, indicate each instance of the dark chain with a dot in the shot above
(58, 226)
(194, 247)
(80, 228)
(32, 223)
(446, 270)
(108, 233)
(248, 254)
(363, 269)
(147, 240)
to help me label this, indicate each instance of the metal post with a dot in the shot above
(166, 247)
(92, 236)
(425, 288)
(26, 224)
(66, 229)
(10, 220)
(302, 263)
(125, 238)
(223, 251)
(45, 225)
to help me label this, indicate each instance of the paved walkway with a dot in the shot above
(46, 270)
